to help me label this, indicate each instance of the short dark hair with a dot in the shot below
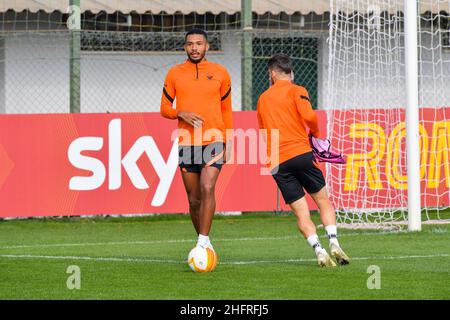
(196, 31)
(281, 62)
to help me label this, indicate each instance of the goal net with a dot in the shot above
(366, 99)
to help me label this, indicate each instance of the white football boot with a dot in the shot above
(324, 260)
(339, 255)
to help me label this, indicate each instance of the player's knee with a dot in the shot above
(323, 203)
(207, 189)
(320, 196)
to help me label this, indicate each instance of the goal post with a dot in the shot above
(388, 110)
(412, 115)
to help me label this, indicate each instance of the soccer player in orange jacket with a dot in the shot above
(286, 107)
(202, 90)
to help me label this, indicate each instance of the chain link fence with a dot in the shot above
(125, 58)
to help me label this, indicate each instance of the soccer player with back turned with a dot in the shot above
(286, 107)
(203, 109)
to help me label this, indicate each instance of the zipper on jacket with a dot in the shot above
(196, 67)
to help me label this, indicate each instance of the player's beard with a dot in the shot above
(199, 59)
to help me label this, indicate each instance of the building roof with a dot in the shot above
(202, 6)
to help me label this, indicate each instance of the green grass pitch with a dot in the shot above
(261, 256)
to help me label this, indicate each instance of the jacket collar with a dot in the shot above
(280, 83)
(190, 63)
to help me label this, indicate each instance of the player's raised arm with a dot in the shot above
(305, 109)
(168, 96)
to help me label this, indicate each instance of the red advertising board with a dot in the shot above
(375, 174)
(36, 169)
(77, 164)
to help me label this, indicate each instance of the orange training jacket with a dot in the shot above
(286, 107)
(203, 88)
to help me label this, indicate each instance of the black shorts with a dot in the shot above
(195, 158)
(297, 173)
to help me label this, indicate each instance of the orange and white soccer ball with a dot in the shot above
(202, 259)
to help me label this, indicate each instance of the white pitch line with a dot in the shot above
(108, 259)
(144, 260)
(82, 244)
(351, 259)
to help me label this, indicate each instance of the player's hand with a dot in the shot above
(192, 118)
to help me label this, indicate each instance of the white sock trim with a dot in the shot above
(203, 240)
(331, 229)
(332, 234)
(314, 242)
